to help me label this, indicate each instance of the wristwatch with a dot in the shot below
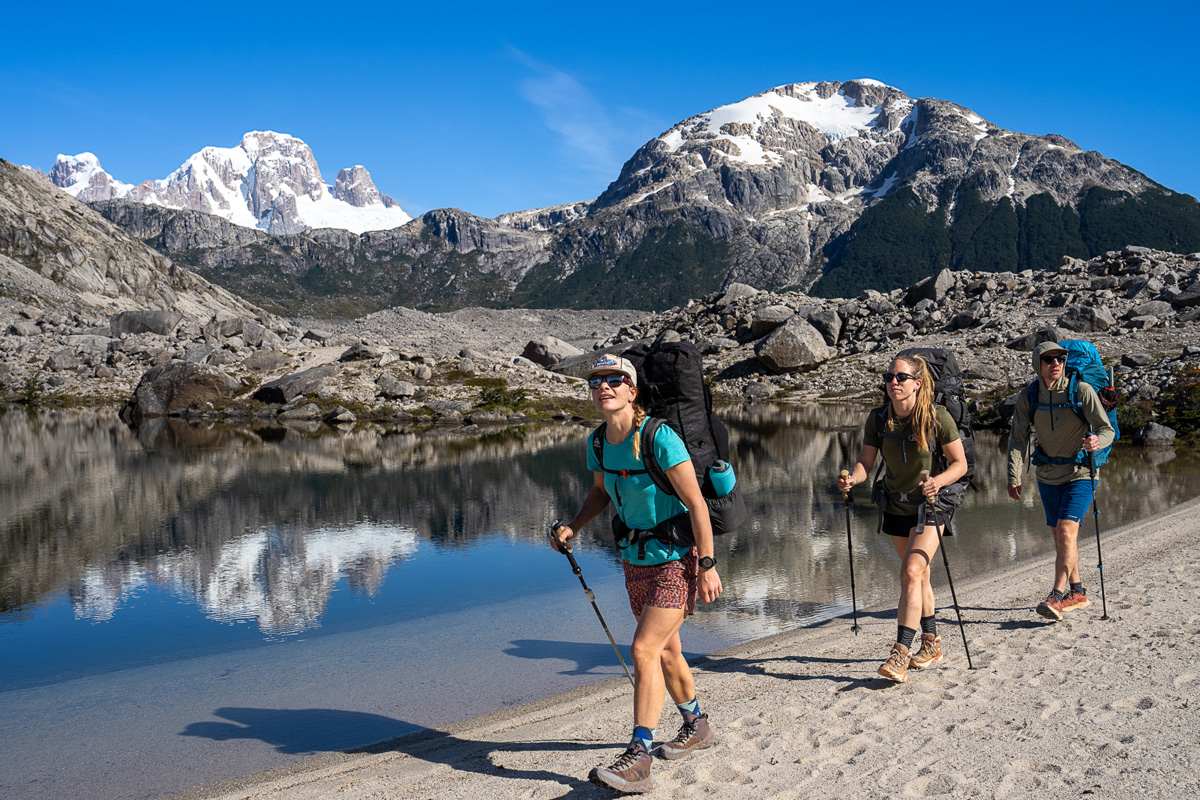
(708, 562)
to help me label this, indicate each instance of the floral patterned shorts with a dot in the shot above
(669, 585)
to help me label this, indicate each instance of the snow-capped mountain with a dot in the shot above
(832, 186)
(270, 181)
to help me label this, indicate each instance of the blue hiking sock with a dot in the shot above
(1058, 595)
(929, 624)
(1078, 588)
(643, 735)
(690, 707)
(905, 636)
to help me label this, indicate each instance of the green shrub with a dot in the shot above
(1180, 403)
(33, 391)
(500, 396)
(1130, 417)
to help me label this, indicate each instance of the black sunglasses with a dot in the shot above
(1060, 359)
(613, 381)
(898, 377)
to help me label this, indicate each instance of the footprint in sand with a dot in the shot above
(1052, 708)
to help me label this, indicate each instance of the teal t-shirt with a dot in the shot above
(642, 505)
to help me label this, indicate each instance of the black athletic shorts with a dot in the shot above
(901, 524)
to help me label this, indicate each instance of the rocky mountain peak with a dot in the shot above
(354, 186)
(82, 176)
(270, 181)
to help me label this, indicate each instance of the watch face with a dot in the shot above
(708, 562)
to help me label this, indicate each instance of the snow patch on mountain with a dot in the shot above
(270, 181)
(837, 116)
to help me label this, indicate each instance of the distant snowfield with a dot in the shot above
(223, 180)
(837, 117)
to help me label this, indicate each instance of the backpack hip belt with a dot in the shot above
(676, 532)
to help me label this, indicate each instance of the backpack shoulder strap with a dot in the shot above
(598, 449)
(598, 443)
(650, 459)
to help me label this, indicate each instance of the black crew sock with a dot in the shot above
(929, 624)
(905, 636)
(1078, 588)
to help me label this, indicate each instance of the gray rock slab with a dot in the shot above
(768, 318)
(131, 322)
(289, 387)
(175, 386)
(794, 346)
(549, 351)
(1087, 319)
(1154, 435)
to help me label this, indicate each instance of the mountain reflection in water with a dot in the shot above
(262, 523)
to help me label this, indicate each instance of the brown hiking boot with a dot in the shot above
(1051, 607)
(1073, 600)
(629, 773)
(930, 652)
(896, 667)
(694, 734)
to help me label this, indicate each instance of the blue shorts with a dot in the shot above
(1069, 501)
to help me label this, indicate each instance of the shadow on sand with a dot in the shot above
(314, 731)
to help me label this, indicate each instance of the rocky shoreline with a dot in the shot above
(481, 366)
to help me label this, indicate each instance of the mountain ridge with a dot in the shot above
(828, 186)
(269, 181)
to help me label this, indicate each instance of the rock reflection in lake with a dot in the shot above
(261, 523)
(247, 522)
(151, 578)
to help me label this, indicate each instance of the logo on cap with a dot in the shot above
(606, 361)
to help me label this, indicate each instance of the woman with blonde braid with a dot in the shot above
(663, 576)
(905, 431)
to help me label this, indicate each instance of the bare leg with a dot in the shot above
(680, 684)
(658, 629)
(916, 595)
(1066, 560)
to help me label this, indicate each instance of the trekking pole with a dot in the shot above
(1096, 517)
(946, 561)
(591, 596)
(850, 547)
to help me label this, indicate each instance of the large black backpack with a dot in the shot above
(950, 392)
(672, 390)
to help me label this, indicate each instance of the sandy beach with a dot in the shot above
(1082, 707)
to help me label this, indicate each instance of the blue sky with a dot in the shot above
(494, 107)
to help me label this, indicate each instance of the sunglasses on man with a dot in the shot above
(1059, 359)
(613, 381)
(898, 377)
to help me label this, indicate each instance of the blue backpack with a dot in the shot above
(1083, 364)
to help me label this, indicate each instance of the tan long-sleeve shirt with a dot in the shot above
(1059, 432)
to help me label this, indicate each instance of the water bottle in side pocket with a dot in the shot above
(722, 478)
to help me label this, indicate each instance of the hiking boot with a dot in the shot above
(930, 652)
(1073, 600)
(896, 667)
(694, 734)
(629, 773)
(1051, 607)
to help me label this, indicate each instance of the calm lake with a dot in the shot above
(182, 605)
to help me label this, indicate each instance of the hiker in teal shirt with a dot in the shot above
(663, 578)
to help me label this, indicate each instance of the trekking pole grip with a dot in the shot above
(551, 534)
(846, 494)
